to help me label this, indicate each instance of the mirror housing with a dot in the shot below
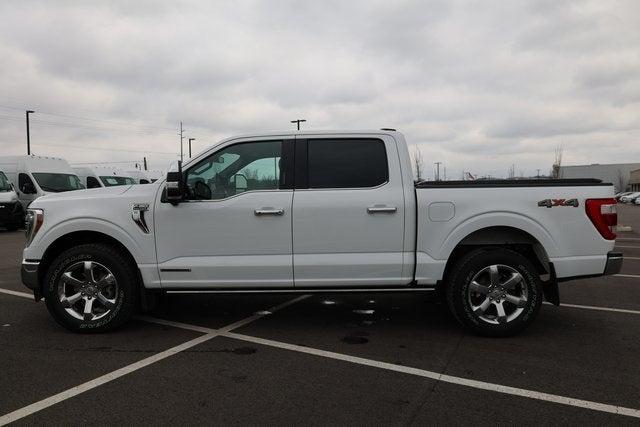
(174, 186)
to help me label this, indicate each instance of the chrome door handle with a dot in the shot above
(269, 211)
(381, 209)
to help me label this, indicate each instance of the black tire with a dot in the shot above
(125, 294)
(475, 265)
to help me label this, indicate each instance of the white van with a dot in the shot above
(103, 176)
(35, 176)
(11, 212)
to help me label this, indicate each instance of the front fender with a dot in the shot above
(37, 248)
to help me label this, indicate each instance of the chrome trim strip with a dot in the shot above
(298, 290)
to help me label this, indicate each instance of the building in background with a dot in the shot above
(634, 180)
(618, 174)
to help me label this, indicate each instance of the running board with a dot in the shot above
(298, 290)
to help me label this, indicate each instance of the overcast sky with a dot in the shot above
(477, 85)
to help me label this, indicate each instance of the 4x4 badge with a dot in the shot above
(549, 203)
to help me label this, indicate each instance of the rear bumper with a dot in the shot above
(614, 263)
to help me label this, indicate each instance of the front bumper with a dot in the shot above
(29, 275)
(11, 214)
(614, 263)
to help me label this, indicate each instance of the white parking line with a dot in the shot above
(521, 392)
(74, 391)
(16, 293)
(627, 275)
(592, 307)
(631, 257)
(627, 238)
(631, 247)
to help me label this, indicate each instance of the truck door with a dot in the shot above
(234, 228)
(348, 212)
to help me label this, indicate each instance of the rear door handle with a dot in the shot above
(381, 209)
(268, 211)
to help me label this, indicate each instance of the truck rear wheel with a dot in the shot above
(90, 288)
(494, 292)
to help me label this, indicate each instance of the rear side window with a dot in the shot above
(347, 163)
(92, 182)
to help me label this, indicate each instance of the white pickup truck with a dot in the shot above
(317, 212)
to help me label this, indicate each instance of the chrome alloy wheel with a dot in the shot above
(497, 294)
(87, 290)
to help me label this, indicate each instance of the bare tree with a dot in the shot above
(555, 169)
(418, 162)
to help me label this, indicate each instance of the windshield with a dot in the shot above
(112, 181)
(5, 185)
(57, 182)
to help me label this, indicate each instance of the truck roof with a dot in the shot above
(384, 131)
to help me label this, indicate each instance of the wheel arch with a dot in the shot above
(76, 238)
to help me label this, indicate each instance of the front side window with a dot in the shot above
(347, 163)
(57, 182)
(93, 182)
(112, 181)
(5, 185)
(235, 169)
(25, 184)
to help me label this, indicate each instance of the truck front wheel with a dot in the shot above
(90, 288)
(494, 292)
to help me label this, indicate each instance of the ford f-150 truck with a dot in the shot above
(318, 212)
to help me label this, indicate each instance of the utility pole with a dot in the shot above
(181, 138)
(190, 139)
(298, 121)
(28, 139)
(438, 170)
(538, 173)
(144, 160)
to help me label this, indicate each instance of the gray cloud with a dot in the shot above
(479, 86)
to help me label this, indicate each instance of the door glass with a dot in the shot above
(235, 169)
(92, 182)
(347, 163)
(25, 184)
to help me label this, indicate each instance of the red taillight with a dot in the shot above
(603, 215)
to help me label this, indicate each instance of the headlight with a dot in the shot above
(35, 218)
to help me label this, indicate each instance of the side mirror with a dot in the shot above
(240, 182)
(175, 190)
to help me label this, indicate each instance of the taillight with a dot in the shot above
(603, 215)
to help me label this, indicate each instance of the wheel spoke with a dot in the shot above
(105, 281)
(109, 304)
(88, 308)
(482, 307)
(512, 281)
(502, 316)
(518, 302)
(495, 276)
(67, 302)
(88, 272)
(477, 287)
(70, 280)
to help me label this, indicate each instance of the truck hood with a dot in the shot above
(95, 194)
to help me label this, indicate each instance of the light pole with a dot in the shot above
(28, 139)
(298, 121)
(438, 170)
(190, 139)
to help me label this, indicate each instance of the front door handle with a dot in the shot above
(381, 209)
(268, 211)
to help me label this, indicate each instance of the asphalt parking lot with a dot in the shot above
(326, 359)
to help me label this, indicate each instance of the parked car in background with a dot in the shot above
(155, 174)
(340, 209)
(621, 194)
(103, 176)
(630, 198)
(140, 177)
(637, 201)
(11, 212)
(35, 176)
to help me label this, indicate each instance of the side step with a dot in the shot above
(298, 290)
